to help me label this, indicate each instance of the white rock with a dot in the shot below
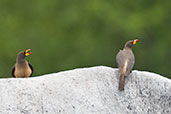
(86, 91)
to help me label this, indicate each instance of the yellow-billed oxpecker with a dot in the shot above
(22, 69)
(125, 60)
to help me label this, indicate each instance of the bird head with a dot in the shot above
(26, 52)
(130, 43)
(21, 55)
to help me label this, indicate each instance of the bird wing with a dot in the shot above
(131, 61)
(31, 67)
(13, 70)
(121, 59)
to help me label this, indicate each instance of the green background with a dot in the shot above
(68, 34)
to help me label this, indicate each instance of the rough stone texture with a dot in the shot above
(86, 91)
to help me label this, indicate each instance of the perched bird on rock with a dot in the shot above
(125, 60)
(22, 69)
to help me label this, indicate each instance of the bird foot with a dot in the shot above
(131, 71)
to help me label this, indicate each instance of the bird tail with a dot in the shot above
(121, 82)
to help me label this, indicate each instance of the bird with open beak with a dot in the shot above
(125, 60)
(22, 69)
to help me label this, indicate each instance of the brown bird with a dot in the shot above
(125, 60)
(22, 69)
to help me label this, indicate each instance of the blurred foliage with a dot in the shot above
(67, 34)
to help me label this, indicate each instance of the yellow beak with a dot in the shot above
(27, 53)
(135, 41)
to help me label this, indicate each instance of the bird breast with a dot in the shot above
(22, 70)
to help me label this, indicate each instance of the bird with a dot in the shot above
(125, 60)
(22, 68)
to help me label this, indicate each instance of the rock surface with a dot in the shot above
(86, 91)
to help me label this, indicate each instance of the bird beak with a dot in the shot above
(135, 41)
(27, 52)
